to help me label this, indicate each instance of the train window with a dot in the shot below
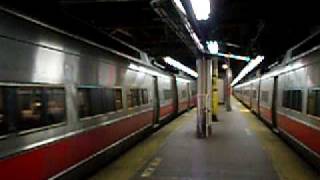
(109, 102)
(265, 96)
(167, 94)
(183, 93)
(145, 96)
(314, 102)
(292, 99)
(138, 96)
(118, 100)
(97, 100)
(129, 99)
(194, 92)
(30, 108)
(56, 105)
(3, 122)
(134, 98)
(84, 102)
(254, 94)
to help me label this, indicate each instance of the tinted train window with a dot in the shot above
(30, 108)
(108, 100)
(133, 98)
(84, 103)
(3, 121)
(314, 102)
(254, 94)
(95, 101)
(194, 92)
(39, 107)
(118, 99)
(167, 94)
(56, 105)
(183, 93)
(145, 96)
(292, 99)
(265, 96)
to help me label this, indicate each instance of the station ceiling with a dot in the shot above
(254, 27)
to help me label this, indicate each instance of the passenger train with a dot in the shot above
(68, 105)
(288, 98)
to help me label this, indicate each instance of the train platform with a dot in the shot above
(241, 147)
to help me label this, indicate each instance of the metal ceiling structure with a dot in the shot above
(246, 27)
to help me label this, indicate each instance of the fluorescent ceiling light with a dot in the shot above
(232, 56)
(201, 9)
(213, 47)
(180, 66)
(180, 6)
(247, 69)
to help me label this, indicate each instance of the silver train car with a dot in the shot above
(288, 98)
(68, 105)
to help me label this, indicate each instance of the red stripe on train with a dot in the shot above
(49, 160)
(166, 110)
(183, 105)
(305, 134)
(266, 114)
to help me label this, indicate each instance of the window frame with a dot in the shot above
(316, 103)
(41, 128)
(104, 101)
(289, 102)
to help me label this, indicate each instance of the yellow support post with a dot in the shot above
(215, 96)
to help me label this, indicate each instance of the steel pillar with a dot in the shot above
(228, 79)
(204, 105)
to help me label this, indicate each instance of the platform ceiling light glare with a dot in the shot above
(180, 6)
(213, 47)
(252, 64)
(232, 56)
(201, 9)
(225, 66)
(180, 66)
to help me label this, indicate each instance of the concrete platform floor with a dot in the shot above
(241, 147)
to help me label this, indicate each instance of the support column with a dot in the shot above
(215, 95)
(204, 83)
(228, 79)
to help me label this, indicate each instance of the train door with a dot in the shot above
(175, 95)
(250, 95)
(189, 95)
(274, 102)
(156, 101)
(259, 95)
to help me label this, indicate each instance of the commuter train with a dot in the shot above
(68, 105)
(288, 98)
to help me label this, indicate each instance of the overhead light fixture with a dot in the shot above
(180, 6)
(213, 47)
(180, 66)
(201, 9)
(225, 66)
(232, 56)
(247, 69)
